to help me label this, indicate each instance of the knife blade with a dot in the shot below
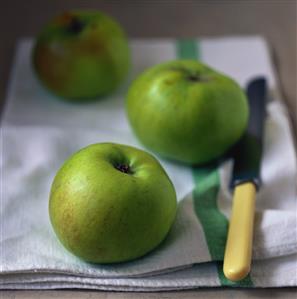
(245, 182)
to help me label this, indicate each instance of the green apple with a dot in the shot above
(111, 203)
(81, 55)
(186, 111)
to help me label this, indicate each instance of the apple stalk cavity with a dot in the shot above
(124, 168)
(75, 25)
(198, 78)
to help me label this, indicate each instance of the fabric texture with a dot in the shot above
(39, 132)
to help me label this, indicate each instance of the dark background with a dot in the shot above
(274, 19)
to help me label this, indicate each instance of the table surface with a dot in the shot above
(276, 20)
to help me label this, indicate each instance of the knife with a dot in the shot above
(245, 182)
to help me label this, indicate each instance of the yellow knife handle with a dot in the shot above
(238, 251)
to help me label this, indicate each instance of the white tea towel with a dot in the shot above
(40, 131)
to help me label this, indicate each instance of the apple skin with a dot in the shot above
(81, 55)
(186, 111)
(111, 203)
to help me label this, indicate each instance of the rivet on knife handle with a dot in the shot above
(238, 250)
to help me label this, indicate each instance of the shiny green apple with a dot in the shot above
(81, 55)
(111, 203)
(187, 111)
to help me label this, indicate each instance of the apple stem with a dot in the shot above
(75, 25)
(123, 168)
(193, 78)
(197, 78)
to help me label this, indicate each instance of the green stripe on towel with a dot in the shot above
(214, 223)
(187, 49)
(205, 194)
